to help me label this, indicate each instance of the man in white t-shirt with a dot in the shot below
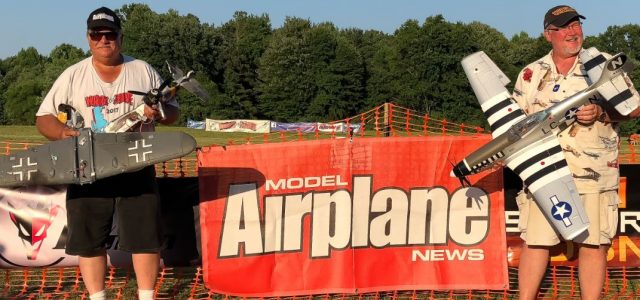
(98, 88)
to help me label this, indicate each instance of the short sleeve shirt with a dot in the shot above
(97, 101)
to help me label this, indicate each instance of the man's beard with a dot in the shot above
(572, 51)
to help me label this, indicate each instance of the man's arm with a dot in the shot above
(51, 128)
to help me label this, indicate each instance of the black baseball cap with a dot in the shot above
(103, 17)
(560, 15)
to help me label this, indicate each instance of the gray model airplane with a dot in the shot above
(528, 144)
(91, 156)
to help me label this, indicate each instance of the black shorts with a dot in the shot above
(133, 197)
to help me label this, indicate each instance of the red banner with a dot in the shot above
(340, 216)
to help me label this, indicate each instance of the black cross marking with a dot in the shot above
(20, 168)
(138, 150)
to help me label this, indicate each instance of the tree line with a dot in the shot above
(303, 71)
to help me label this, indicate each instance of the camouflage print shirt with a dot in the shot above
(591, 150)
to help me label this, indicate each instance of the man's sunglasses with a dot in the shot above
(97, 35)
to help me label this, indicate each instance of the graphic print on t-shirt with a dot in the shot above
(99, 122)
(101, 106)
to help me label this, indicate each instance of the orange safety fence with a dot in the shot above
(186, 283)
(6, 147)
(66, 283)
(385, 120)
(180, 167)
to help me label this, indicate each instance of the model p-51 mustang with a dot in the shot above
(528, 145)
(91, 155)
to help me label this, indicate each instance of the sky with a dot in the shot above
(45, 24)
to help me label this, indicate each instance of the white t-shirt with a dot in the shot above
(97, 101)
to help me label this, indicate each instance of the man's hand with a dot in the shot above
(68, 132)
(151, 112)
(51, 128)
(589, 113)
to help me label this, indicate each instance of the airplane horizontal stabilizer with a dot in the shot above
(615, 90)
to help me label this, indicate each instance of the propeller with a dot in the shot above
(139, 93)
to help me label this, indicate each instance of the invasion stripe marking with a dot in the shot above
(547, 142)
(619, 98)
(503, 112)
(495, 99)
(500, 105)
(594, 62)
(545, 171)
(536, 158)
(562, 174)
(506, 119)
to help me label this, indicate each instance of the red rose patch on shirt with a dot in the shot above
(526, 75)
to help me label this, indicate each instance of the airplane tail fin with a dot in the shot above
(188, 82)
(609, 78)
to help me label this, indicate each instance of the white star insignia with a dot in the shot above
(561, 210)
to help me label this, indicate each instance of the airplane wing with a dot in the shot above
(114, 154)
(90, 157)
(488, 83)
(544, 172)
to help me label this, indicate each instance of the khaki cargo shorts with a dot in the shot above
(601, 208)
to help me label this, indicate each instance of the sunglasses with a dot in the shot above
(573, 26)
(97, 35)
